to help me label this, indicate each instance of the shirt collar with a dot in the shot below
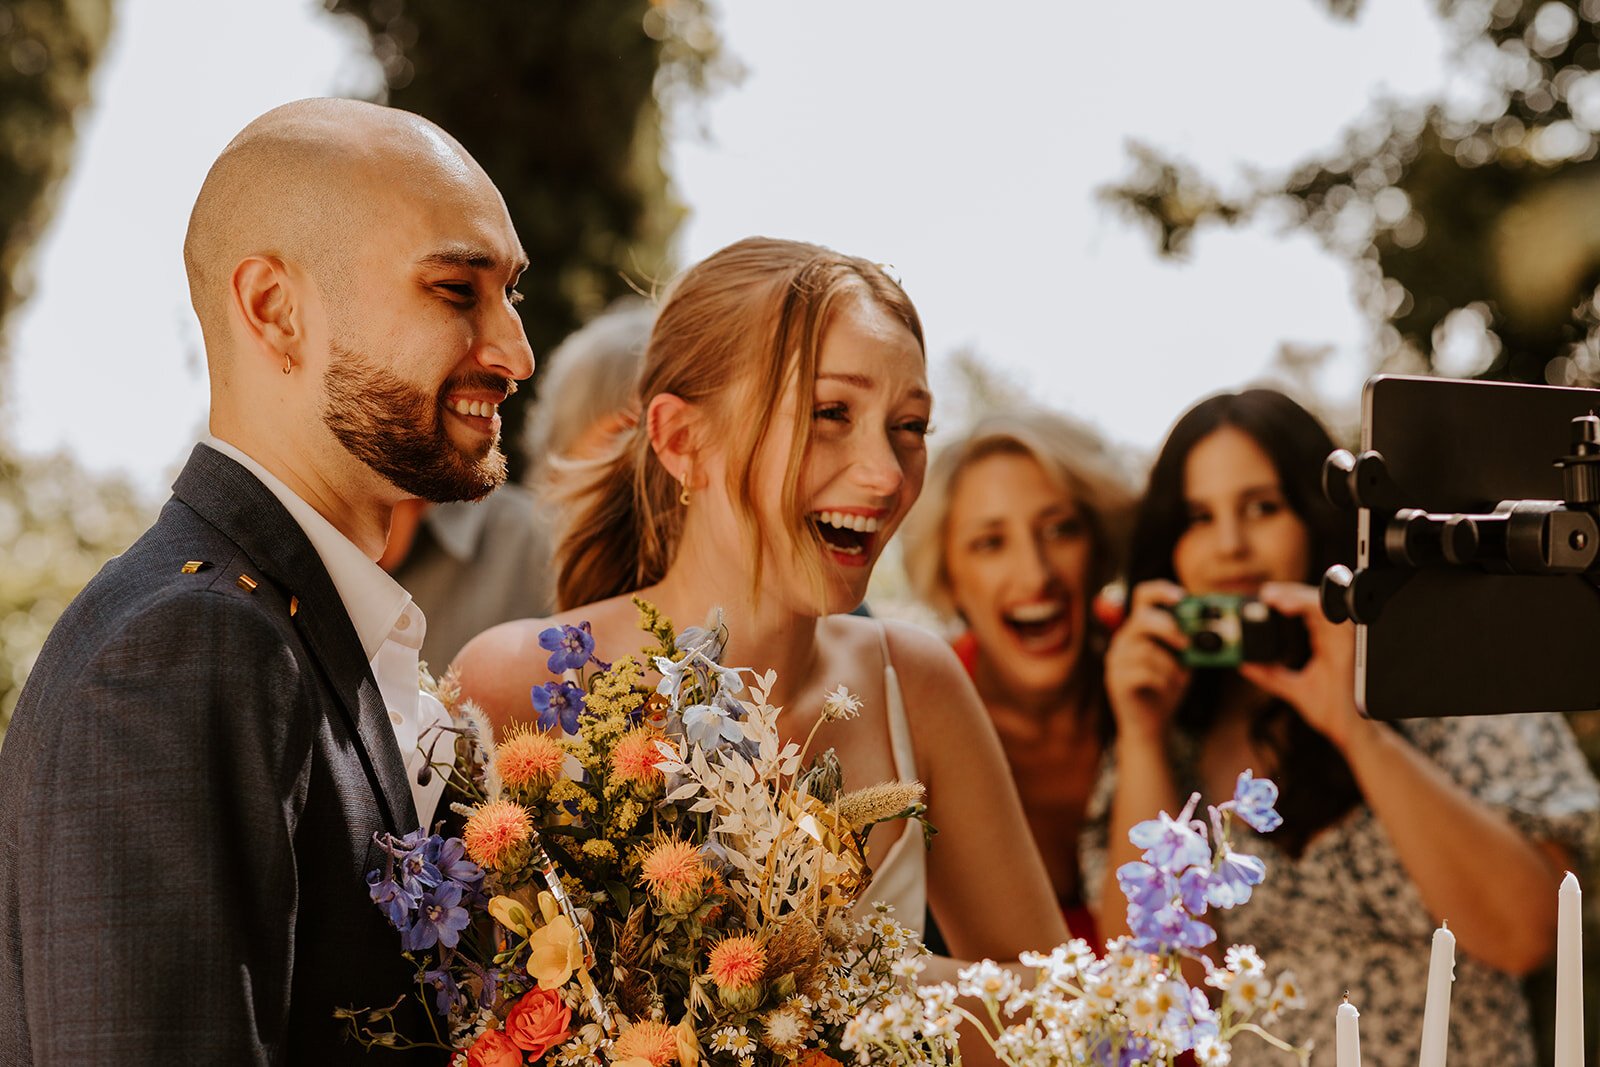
(458, 527)
(373, 600)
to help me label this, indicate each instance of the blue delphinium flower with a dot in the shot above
(489, 979)
(1235, 875)
(450, 857)
(395, 903)
(558, 702)
(1172, 844)
(1193, 888)
(440, 920)
(1125, 1053)
(416, 869)
(1167, 929)
(1145, 886)
(570, 647)
(449, 995)
(1253, 800)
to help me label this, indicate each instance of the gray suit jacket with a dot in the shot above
(188, 796)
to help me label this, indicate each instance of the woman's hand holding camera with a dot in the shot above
(1145, 680)
(1322, 691)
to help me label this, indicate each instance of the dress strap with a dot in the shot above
(905, 756)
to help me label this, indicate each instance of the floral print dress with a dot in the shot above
(1345, 916)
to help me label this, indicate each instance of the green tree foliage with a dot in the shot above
(561, 103)
(1473, 222)
(48, 50)
(58, 524)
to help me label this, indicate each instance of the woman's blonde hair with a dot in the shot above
(734, 334)
(1071, 455)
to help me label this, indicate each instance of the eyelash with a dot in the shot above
(840, 413)
(467, 291)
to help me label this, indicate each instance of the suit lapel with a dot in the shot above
(234, 501)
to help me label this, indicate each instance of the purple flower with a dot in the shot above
(1167, 929)
(395, 903)
(489, 979)
(570, 647)
(449, 996)
(1193, 885)
(1127, 1053)
(417, 872)
(1145, 886)
(450, 856)
(1174, 845)
(558, 702)
(1253, 800)
(1236, 873)
(440, 920)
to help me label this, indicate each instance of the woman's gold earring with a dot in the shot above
(683, 486)
(288, 366)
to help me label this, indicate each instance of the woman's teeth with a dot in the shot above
(1032, 614)
(481, 408)
(842, 521)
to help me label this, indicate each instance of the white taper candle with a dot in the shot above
(1347, 1036)
(1436, 1012)
(1569, 975)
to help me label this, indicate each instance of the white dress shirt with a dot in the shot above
(390, 627)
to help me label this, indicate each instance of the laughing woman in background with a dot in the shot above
(1021, 523)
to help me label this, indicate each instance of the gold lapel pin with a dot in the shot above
(247, 583)
(194, 566)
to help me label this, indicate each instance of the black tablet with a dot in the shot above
(1453, 641)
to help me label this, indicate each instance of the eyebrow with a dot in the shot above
(861, 381)
(471, 258)
(1264, 489)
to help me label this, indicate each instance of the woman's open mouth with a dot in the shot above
(850, 538)
(1040, 626)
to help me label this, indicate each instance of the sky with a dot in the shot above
(963, 145)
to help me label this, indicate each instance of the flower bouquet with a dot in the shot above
(1133, 1004)
(650, 875)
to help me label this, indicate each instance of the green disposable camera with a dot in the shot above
(1225, 630)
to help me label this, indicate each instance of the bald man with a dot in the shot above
(228, 713)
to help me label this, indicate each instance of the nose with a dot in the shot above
(1030, 569)
(877, 467)
(1231, 538)
(503, 345)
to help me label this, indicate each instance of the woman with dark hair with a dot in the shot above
(1388, 830)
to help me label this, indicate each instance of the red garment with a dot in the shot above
(1079, 922)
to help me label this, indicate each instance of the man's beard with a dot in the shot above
(398, 430)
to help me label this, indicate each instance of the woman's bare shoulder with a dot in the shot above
(498, 668)
(922, 660)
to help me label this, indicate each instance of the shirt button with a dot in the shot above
(404, 623)
(394, 717)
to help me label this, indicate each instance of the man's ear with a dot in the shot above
(671, 422)
(264, 304)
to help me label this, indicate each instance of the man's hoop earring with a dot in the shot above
(288, 366)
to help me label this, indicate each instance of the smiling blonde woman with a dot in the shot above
(1020, 524)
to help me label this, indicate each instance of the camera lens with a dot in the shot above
(1208, 641)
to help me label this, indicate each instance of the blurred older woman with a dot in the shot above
(1021, 523)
